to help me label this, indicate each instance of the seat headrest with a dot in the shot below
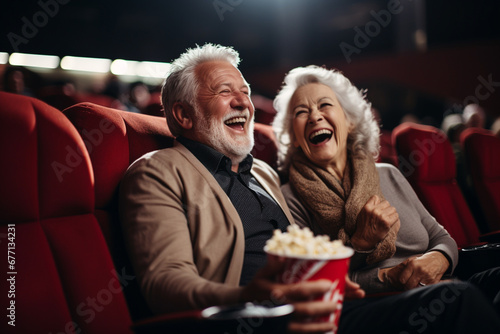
(482, 146)
(44, 160)
(427, 148)
(114, 139)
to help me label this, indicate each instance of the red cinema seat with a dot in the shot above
(63, 274)
(114, 139)
(426, 159)
(482, 154)
(264, 110)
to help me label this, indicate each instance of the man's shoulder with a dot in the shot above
(174, 156)
(261, 164)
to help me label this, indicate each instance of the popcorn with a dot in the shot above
(297, 241)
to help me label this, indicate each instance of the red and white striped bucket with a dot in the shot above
(306, 268)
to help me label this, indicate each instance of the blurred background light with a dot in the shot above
(152, 69)
(4, 57)
(34, 60)
(98, 65)
(124, 67)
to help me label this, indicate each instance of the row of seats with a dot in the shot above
(60, 177)
(426, 159)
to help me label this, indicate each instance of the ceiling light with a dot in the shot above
(4, 57)
(33, 60)
(99, 65)
(124, 67)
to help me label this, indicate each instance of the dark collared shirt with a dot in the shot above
(259, 212)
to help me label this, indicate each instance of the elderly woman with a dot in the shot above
(329, 142)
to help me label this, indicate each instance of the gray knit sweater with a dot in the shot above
(419, 233)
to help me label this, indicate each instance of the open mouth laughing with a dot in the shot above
(236, 122)
(320, 136)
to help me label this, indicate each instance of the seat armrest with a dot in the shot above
(490, 237)
(477, 258)
(242, 318)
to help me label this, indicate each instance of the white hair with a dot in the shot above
(364, 136)
(472, 109)
(451, 121)
(181, 84)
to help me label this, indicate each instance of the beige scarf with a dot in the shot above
(334, 205)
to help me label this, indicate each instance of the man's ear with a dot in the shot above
(183, 115)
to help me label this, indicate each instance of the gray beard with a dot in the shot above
(215, 136)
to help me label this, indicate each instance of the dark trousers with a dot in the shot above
(447, 307)
(488, 282)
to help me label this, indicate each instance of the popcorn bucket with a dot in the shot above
(309, 268)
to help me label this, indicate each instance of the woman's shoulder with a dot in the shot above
(388, 171)
(291, 197)
(287, 191)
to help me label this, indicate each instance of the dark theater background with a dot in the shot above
(426, 58)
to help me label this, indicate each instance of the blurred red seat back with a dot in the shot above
(264, 110)
(426, 159)
(65, 280)
(265, 144)
(482, 154)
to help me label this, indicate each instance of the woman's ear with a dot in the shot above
(183, 115)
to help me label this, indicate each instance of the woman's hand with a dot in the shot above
(425, 269)
(353, 290)
(373, 223)
(300, 295)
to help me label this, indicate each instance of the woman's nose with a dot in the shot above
(315, 116)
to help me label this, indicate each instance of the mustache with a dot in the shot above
(237, 113)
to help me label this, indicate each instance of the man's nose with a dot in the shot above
(241, 101)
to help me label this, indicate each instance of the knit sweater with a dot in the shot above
(419, 233)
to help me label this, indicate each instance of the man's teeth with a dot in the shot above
(236, 120)
(320, 132)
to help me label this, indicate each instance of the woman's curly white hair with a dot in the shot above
(363, 139)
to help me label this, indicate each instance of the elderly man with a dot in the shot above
(196, 216)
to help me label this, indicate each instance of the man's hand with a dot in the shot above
(301, 295)
(373, 223)
(426, 269)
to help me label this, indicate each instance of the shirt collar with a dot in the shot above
(212, 159)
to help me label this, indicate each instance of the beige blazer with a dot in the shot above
(184, 237)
